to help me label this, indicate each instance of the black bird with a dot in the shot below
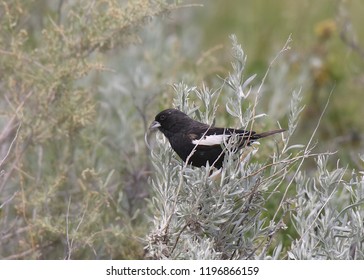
(188, 136)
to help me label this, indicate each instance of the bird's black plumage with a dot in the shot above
(198, 142)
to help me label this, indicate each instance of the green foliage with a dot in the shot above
(329, 215)
(58, 201)
(80, 82)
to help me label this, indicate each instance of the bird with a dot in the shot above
(198, 143)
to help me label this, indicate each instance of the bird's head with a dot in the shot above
(169, 120)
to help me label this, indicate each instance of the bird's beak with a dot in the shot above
(154, 125)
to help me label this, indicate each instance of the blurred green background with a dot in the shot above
(80, 81)
(326, 55)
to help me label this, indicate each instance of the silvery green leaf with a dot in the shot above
(231, 111)
(259, 116)
(297, 146)
(248, 81)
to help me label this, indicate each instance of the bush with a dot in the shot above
(61, 186)
(78, 94)
(198, 216)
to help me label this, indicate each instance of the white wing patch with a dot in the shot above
(211, 140)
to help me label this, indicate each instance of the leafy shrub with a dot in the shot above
(198, 216)
(61, 187)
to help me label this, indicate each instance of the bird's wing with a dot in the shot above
(215, 136)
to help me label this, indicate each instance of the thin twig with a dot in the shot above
(11, 145)
(8, 200)
(70, 243)
(178, 236)
(257, 96)
(69, 248)
(303, 158)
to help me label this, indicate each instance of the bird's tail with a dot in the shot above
(267, 133)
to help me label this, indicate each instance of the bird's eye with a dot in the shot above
(162, 117)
